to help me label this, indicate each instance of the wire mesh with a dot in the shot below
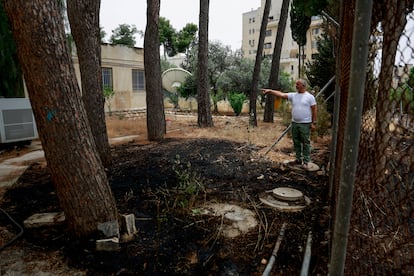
(381, 234)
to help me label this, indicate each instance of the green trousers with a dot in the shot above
(301, 141)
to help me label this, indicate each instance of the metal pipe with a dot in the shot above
(360, 45)
(330, 18)
(307, 256)
(278, 139)
(325, 87)
(274, 252)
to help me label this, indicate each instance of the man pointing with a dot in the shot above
(304, 115)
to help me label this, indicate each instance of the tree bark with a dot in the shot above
(155, 103)
(274, 71)
(203, 85)
(76, 169)
(257, 66)
(84, 23)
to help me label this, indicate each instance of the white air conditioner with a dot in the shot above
(17, 122)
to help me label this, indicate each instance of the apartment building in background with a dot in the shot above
(289, 61)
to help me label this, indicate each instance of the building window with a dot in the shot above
(138, 80)
(268, 45)
(107, 77)
(315, 31)
(268, 32)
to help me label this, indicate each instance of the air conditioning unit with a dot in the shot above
(17, 122)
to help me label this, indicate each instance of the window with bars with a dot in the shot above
(138, 80)
(107, 77)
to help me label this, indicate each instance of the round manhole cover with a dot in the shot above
(288, 194)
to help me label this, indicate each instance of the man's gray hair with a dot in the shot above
(303, 82)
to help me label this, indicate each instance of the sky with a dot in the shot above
(225, 17)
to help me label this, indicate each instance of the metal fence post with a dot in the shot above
(361, 33)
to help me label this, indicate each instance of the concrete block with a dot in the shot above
(128, 228)
(111, 244)
(44, 219)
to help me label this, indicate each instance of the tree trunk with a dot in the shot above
(257, 66)
(274, 71)
(155, 103)
(203, 84)
(84, 23)
(76, 169)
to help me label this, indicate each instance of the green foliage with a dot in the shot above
(186, 37)
(324, 122)
(176, 42)
(173, 98)
(405, 94)
(124, 34)
(102, 34)
(11, 80)
(236, 101)
(189, 88)
(108, 93)
(189, 184)
(217, 97)
(322, 68)
(167, 35)
(299, 23)
(311, 7)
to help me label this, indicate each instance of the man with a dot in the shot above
(304, 114)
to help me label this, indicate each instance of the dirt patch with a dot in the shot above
(166, 185)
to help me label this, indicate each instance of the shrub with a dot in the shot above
(236, 101)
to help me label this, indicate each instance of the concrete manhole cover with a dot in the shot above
(312, 167)
(289, 194)
(285, 199)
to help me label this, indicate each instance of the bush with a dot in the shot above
(236, 101)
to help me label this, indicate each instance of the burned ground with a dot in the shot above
(165, 185)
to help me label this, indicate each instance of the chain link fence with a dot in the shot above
(381, 229)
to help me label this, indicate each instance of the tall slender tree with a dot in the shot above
(75, 166)
(299, 24)
(203, 85)
(274, 71)
(257, 66)
(155, 105)
(84, 23)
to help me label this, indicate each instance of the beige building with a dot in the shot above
(123, 71)
(289, 62)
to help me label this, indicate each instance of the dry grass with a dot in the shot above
(225, 127)
(117, 127)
